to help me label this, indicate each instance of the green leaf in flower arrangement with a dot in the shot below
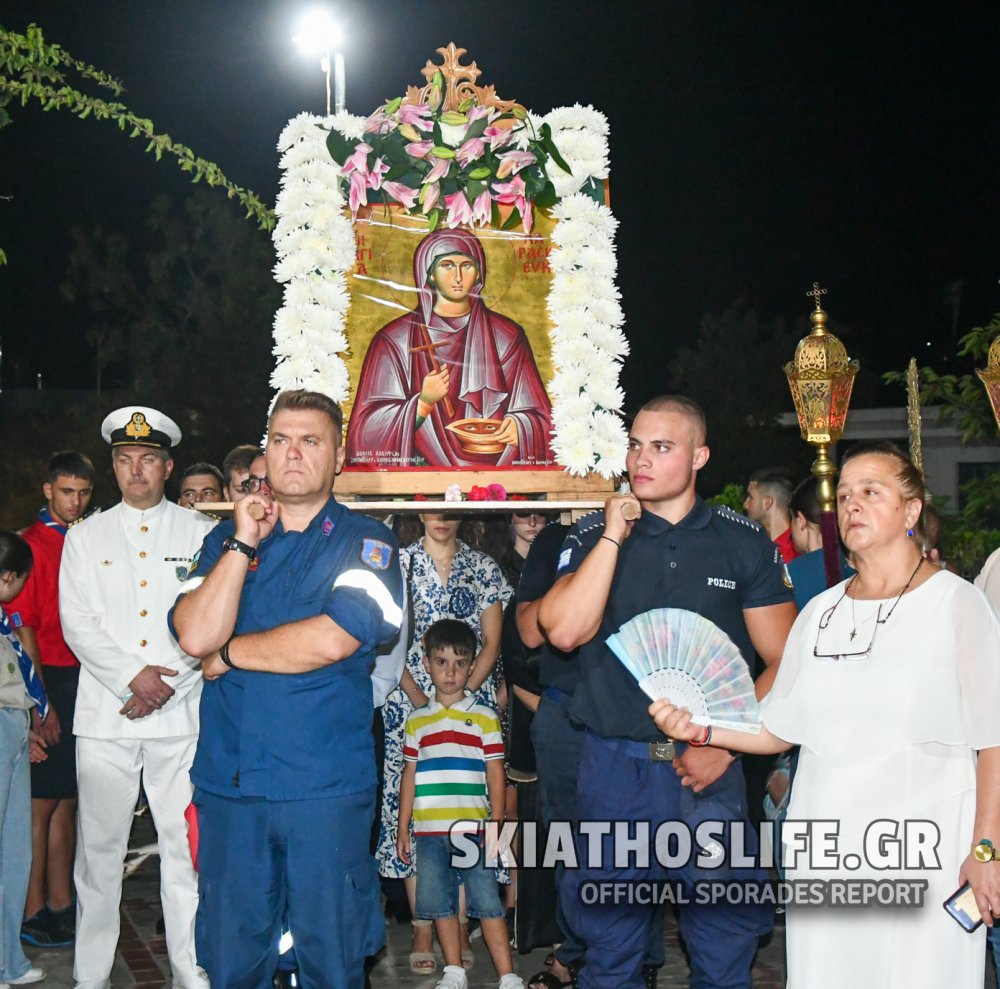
(552, 151)
(449, 186)
(340, 147)
(547, 198)
(474, 189)
(433, 218)
(494, 215)
(513, 220)
(534, 180)
(476, 128)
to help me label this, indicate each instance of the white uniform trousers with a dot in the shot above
(108, 772)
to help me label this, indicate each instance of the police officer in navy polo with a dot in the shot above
(288, 611)
(679, 553)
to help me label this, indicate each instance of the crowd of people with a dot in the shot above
(318, 705)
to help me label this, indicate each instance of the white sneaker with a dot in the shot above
(453, 977)
(511, 981)
(32, 975)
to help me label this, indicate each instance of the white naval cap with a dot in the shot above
(138, 425)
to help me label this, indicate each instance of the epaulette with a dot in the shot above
(83, 518)
(210, 515)
(725, 512)
(589, 522)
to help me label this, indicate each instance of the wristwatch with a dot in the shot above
(232, 543)
(984, 850)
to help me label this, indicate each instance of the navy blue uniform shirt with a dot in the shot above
(714, 562)
(556, 668)
(305, 735)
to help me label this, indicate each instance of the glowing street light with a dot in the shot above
(319, 35)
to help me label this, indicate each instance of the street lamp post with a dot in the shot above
(821, 378)
(319, 35)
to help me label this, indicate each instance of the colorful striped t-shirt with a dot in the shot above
(451, 746)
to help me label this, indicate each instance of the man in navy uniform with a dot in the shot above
(288, 611)
(137, 702)
(679, 553)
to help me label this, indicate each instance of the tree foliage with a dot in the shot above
(734, 372)
(34, 71)
(971, 533)
(187, 315)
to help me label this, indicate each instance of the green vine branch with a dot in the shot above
(33, 70)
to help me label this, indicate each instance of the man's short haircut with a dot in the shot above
(162, 452)
(450, 633)
(681, 405)
(15, 554)
(69, 463)
(239, 458)
(806, 501)
(301, 400)
(778, 482)
(202, 467)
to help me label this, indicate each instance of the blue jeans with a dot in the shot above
(438, 881)
(994, 939)
(558, 742)
(15, 838)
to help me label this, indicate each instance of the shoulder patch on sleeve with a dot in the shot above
(376, 554)
(787, 577)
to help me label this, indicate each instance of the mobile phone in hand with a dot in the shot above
(963, 907)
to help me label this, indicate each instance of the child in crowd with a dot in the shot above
(454, 772)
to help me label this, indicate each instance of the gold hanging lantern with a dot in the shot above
(990, 377)
(821, 378)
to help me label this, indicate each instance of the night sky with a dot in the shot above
(755, 148)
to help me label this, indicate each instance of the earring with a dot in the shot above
(909, 532)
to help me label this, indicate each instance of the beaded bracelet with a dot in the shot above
(704, 740)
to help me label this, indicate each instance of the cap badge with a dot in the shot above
(137, 427)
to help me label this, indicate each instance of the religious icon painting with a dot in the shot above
(450, 346)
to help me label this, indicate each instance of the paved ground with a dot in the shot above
(142, 959)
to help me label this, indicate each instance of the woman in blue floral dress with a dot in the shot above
(446, 579)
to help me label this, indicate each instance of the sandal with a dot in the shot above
(422, 962)
(468, 958)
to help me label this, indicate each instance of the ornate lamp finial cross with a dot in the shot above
(816, 293)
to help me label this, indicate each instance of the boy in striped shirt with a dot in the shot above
(454, 778)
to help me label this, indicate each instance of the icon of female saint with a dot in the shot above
(450, 359)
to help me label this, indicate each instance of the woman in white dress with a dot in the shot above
(890, 682)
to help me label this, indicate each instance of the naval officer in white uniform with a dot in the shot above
(137, 707)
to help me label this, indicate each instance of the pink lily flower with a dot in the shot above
(419, 149)
(438, 170)
(459, 210)
(358, 161)
(511, 162)
(432, 194)
(482, 208)
(375, 175)
(401, 193)
(477, 113)
(471, 150)
(415, 114)
(499, 137)
(379, 123)
(358, 194)
(513, 192)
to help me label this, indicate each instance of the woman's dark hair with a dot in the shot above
(911, 481)
(15, 554)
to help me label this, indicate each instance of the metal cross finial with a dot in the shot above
(816, 293)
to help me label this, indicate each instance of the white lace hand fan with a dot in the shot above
(683, 657)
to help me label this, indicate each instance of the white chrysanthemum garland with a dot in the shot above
(315, 245)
